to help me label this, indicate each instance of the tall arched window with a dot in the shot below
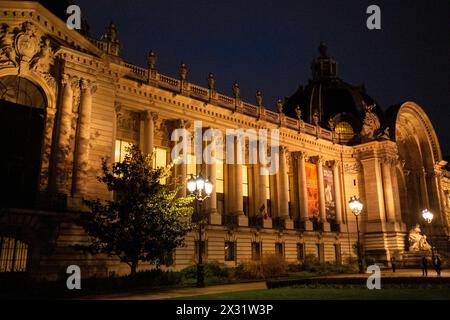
(22, 107)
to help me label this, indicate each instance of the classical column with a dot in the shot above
(424, 188)
(337, 191)
(396, 191)
(181, 167)
(322, 208)
(65, 127)
(284, 189)
(83, 138)
(47, 149)
(238, 194)
(387, 189)
(302, 191)
(211, 175)
(149, 131)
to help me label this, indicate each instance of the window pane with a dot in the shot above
(13, 255)
(120, 150)
(267, 187)
(244, 181)
(219, 176)
(191, 168)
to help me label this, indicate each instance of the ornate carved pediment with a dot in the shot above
(26, 48)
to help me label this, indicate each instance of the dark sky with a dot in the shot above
(269, 45)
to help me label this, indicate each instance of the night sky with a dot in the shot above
(269, 45)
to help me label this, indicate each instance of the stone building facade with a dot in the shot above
(68, 100)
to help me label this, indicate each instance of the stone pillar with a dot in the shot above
(47, 149)
(387, 189)
(238, 196)
(262, 190)
(181, 167)
(424, 188)
(214, 217)
(65, 128)
(337, 192)
(149, 131)
(396, 191)
(83, 138)
(302, 191)
(322, 208)
(284, 189)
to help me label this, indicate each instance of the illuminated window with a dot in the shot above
(219, 176)
(244, 181)
(121, 150)
(160, 159)
(220, 185)
(13, 255)
(245, 190)
(269, 202)
(191, 166)
(344, 128)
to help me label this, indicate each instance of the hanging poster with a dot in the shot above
(330, 205)
(312, 190)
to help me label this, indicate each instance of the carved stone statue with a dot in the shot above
(236, 90)
(298, 112)
(259, 98)
(315, 118)
(371, 123)
(44, 59)
(417, 240)
(280, 106)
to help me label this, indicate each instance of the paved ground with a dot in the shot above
(182, 292)
(188, 292)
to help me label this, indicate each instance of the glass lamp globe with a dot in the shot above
(355, 205)
(191, 184)
(200, 183)
(427, 215)
(208, 187)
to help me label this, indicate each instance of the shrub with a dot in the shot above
(269, 266)
(212, 269)
(273, 265)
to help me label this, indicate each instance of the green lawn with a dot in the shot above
(324, 293)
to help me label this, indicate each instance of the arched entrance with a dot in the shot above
(419, 152)
(22, 118)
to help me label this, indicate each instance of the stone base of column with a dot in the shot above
(215, 218)
(308, 225)
(289, 224)
(76, 203)
(242, 220)
(326, 226)
(267, 222)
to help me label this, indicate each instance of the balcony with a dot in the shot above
(278, 223)
(299, 225)
(256, 222)
(229, 220)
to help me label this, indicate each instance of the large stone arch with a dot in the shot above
(419, 152)
(49, 90)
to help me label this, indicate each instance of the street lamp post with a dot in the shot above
(201, 190)
(356, 206)
(428, 217)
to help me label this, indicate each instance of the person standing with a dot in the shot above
(393, 264)
(424, 267)
(437, 265)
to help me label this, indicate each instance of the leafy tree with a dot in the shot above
(146, 221)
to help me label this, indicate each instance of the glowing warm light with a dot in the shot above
(355, 205)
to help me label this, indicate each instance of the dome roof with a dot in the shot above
(330, 98)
